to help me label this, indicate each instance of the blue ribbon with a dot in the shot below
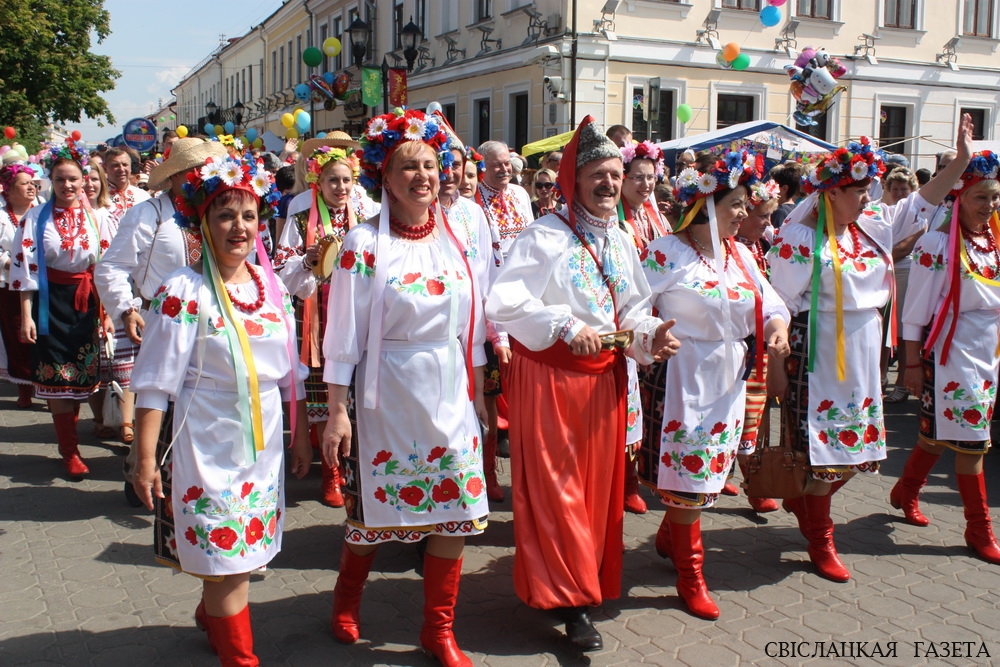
(43, 278)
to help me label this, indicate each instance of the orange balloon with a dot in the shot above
(730, 51)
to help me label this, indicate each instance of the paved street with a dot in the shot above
(78, 583)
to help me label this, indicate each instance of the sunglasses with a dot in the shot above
(617, 339)
(544, 186)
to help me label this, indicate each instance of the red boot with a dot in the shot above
(493, 490)
(979, 528)
(688, 555)
(633, 501)
(233, 639)
(664, 548)
(797, 507)
(25, 392)
(332, 495)
(818, 529)
(69, 444)
(441, 579)
(904, 494)
(346, 620)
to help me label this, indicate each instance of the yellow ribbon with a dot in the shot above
(838, 287)
(995, 228)
(686, 220)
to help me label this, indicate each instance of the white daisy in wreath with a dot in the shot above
(259, 184)
(707, 184)
(859, 170)
(687, 178)
(209, 171)
(231, 173)
(376, 128)
(414, 130)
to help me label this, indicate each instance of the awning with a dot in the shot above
(547, 144)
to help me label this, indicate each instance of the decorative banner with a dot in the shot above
(139, 134)
(397, 86)
(371, 86)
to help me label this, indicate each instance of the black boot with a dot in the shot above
(580, 630)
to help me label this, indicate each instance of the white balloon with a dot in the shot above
(434, 106)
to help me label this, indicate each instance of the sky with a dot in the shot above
(155, 44)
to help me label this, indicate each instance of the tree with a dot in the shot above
(47, 72)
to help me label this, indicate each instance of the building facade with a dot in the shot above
(521, 70)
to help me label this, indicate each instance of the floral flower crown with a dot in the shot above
(857, 161)
(387, 132)
(647, 150)
(764, 191)
(325, 154)
(217, 176)
(71, 150)
(984, 166)
(472, 155)
(9, 174)
(741, 167)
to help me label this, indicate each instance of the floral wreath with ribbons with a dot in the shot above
(984, 166)
(71, 150)
(215, 176)
(472, 155)
(644, 150)
(326, 154)
(857, 161)
(741, 167)
(232, 144)
(385, 133)
(762, 192)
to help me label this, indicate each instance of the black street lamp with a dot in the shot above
(409, 36)
(210, 110)
(358, 32)
(385, 86)
(239, 109)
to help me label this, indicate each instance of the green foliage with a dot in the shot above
(47, 72)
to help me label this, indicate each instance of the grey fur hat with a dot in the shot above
(594, 145)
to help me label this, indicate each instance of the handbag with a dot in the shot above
(112, 410)
(775, 471)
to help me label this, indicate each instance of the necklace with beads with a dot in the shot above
(989, 247)
(243, 305)
(855, 251)
(697, 244)
(414, 232)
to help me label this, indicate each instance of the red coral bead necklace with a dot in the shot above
(243, 305)
(416, 232)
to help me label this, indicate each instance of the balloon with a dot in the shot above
(182, 131)
(9, 132)
(302, 92)
(776, 3)
(258, 142)
(287, 119)
(302, 122)
(220, 130)
(162, 119)
(298, 110)
(312, 56)
(321, 135)
(741, 62)
(434, 106)
(684, 112)
(721, 61)
(251, 134)
(291, 133)
(173, 117)
(770, 16)
(730, 51)
(328, 77)
(209, 129)
(4, 149)
(229, 127)
(22, 151)
(340, 84)
(331, 47)
(75, 135)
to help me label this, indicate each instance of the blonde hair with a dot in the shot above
(902, 175)
(547, 172)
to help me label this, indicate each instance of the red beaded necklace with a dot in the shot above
(989, 247)
(855, 242)
(249, 307)
(695, 244)
(413, 233)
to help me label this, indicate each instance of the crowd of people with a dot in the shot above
(414, 307)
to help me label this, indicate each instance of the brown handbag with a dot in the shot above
(775, 471)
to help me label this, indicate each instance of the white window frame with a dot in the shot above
(474, 97)
(678, 86)
(989, 107)
(758, 91)
(994, 35)
(913, 104)
(918, 18)
(509, 90)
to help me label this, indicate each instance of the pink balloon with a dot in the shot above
(776, 3)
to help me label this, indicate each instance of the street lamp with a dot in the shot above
(239, 109)
(358, 31)
(210, 110)
(409, 36)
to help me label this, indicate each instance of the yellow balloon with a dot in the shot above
(297, 112)
(258, 142)
(331, 47)
(287, 119)
(291, 133)
(182, 131)
(219, 130)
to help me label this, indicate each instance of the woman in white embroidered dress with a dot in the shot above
(957, 380)
(217, 344)
(696, 400)
(400, 304)
(58, 304)
(833, 406)
(331, 172)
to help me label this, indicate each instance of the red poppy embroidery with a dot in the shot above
(972, 416)
(224, 537)
(194, 493)
(253, 328)
(718, 428)
(436, 453)
(380, 495)
(849, 438)
(474, 487)
(871, 434)
(411, 495)
(951, 386)
(254, 531)
(382, 457)
(445, 491)
(247, 488)
(347, 260)
(693, 463)
(192, 307)
(435, 287)
(824, 406)
(171, 306)
(191, 536)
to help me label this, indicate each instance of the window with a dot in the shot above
(291, 59)
(298, 59)
(817, 9)
(338, 32)
(978, 122)
(281, 71)
(900, 13)
(449, 113)
(324, 32)
(397, 25)
(420, 16)
(820, 129)
(519, 125)
(449, 15)
(481, 122)
(274, 72)
(734, 109)
(352, 15)
(892, 129)
(484, 10)
(749, 5)
(979, 18)
(656, 124)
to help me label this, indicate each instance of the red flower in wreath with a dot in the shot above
(987, 384)
(171, 306)
(253, 328)
(411, 495)
(380, 495)
(410, 278)
(693, 463)
(823, 437)
(191, 536)
(785, 252)
(671, 426)
(347, 260)
(224, 537)
(369, 259)
(718, 463)
(804, 250)
(435, 287)
(270, 317)
(445, 491)
(254, 531)
(192, 307)
(272, 524)
(867, 402)
(659, 258)
(247, 488)
(949, 414)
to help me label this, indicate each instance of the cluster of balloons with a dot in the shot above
(814, 84)
(313, 57)
(730, 57)
(296, 123)
(164, 120)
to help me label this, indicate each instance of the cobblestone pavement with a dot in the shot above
(78, 583)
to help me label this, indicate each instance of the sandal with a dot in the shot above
(103, 432)
(128, 433)
(898, 395)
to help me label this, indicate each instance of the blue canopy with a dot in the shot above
(778, 142)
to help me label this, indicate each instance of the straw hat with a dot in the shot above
(185, 154)
(335, 139)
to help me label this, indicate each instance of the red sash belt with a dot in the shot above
(560, 356)
(84, 285)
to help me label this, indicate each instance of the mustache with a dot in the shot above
(606, 192)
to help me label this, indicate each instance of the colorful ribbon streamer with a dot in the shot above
(683, 223)
(825, 223)
(956, 250)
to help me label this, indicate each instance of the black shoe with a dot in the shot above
(131, 497)
(503, 445)
(581, 631)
